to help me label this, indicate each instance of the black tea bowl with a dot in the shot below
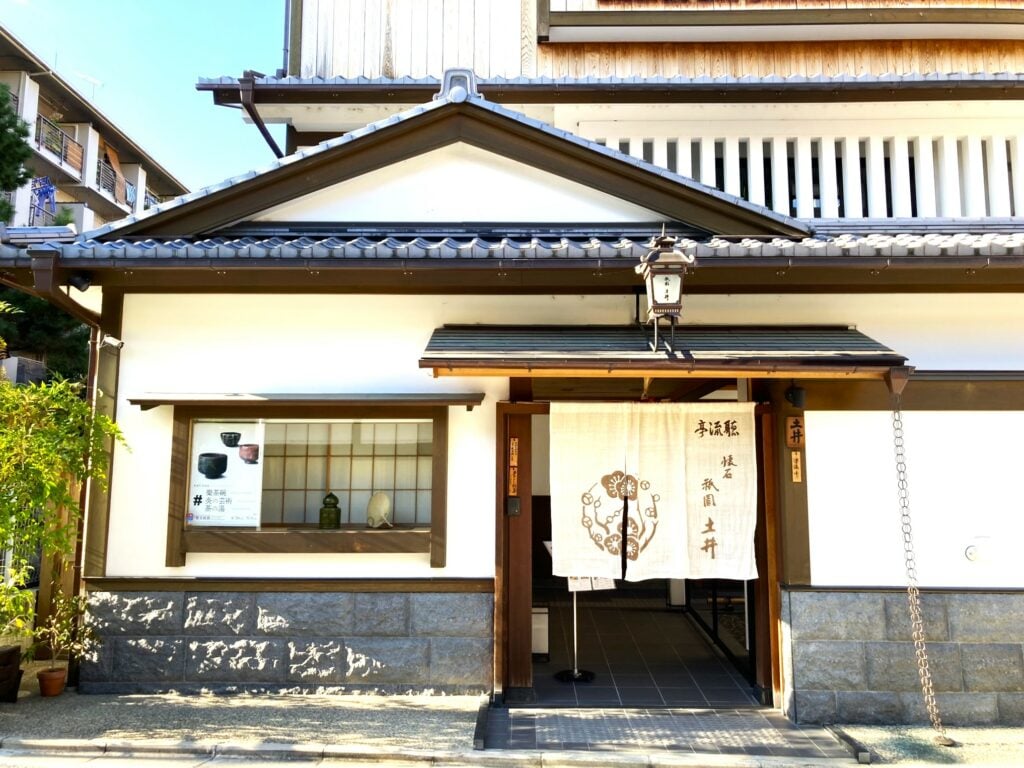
(230, 439)
(213, 465)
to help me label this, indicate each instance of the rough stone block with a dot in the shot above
(148, 659)
(814, 706)
(993, 667)
(461, 661)
(305, 614)
(933, 611)
(893, 667)
(873, 707)
(236, 660)
(317, 662)
(829, 666)
(1011, 708)
(98, 665)
(136, 613)
(986, 618)
(451, 615)
(380, 614)
(837, 616)
(387, 660)
(955, 708)
(219, 613)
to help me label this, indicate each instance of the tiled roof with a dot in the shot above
(457, 96)
(951, 79)
(460, 345)
(908, 246)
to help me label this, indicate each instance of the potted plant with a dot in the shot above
(64, 633)
(51, 444)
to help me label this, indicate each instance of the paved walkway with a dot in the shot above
(448, 730)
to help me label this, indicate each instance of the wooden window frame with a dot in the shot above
(181, 541)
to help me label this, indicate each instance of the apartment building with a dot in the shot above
(81, 161)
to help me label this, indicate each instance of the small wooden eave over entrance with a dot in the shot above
(700, 352)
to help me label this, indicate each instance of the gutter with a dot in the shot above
(246, 83)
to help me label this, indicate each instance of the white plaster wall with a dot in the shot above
(322, 344)
(935, 332)
(338, 343)
(966, 496)
(446, 184)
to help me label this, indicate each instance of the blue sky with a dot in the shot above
(138, 61)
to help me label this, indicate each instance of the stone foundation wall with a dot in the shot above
(295, 641)
(848, 657)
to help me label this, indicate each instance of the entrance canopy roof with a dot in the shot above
(627, 351)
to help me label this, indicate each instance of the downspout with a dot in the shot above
(287, 36)
(246, 84)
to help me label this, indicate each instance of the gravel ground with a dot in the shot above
(438, 722)
(905, 745)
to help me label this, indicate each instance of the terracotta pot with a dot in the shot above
(52, 681)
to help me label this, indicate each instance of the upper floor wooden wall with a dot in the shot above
(498, 38)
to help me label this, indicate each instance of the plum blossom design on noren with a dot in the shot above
(604, 512)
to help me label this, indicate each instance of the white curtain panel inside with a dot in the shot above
(683, 477)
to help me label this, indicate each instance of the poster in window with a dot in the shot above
(225, 474)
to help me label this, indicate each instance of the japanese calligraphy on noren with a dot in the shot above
(721, 471)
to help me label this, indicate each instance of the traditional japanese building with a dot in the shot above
(429, 307)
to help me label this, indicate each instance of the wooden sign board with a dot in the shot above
(795, 432)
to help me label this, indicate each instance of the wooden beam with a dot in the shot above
(278, 584)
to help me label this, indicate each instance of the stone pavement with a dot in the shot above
(362, 729)
(410, 730)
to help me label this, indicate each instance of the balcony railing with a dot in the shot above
(108, 179)
(50, 137)
(40, 217)
(150, 200)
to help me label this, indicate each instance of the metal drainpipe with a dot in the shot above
(246, 84)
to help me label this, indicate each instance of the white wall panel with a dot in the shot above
(316, 344)
(459, 183)
(965, 489)
(339, 343)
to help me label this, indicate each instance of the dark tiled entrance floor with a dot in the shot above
(642, 655)
(720, 731)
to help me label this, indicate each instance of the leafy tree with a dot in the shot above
(46, 330)
(14, 152)
(50, 443)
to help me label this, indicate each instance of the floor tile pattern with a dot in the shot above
(720, 731)
(642, 654)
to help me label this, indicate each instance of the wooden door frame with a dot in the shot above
(513, 589)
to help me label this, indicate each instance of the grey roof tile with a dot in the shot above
(409, 114)
(674, 80)
(1008, 247)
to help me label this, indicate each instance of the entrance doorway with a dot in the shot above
(643, 651)
(649, 644)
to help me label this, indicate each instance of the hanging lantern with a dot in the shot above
(663, 268)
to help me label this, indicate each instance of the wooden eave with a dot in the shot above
(257, 402)
(460, 122)
(771, 275)
(584, 92)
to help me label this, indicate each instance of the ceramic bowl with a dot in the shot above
(213, 465)
(230, 439)
(249, 452)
